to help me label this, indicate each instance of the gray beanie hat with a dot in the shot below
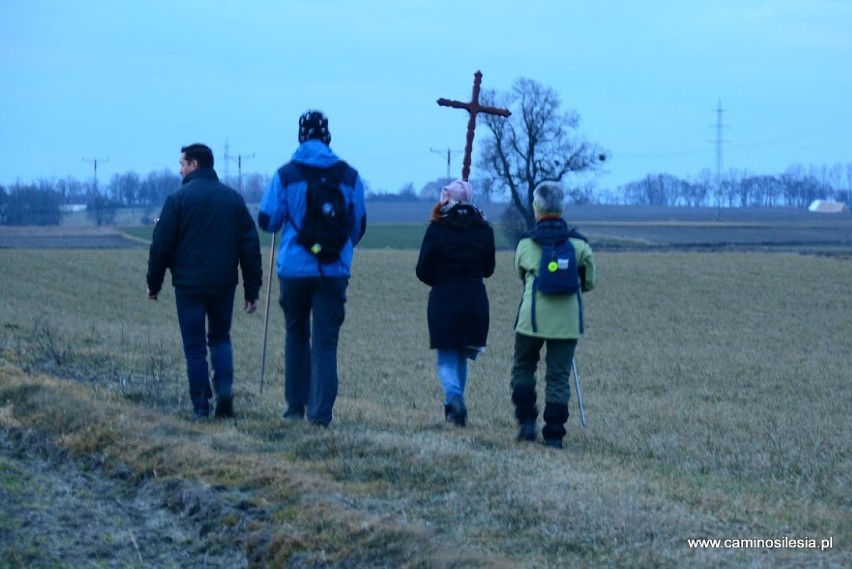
(548, 198)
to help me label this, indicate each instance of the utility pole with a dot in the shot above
(449, 154)
(239, 160)
(719, 142)
(226, 172)
(99, 204)
(95, 162)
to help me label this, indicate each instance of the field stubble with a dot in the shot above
(716, 387)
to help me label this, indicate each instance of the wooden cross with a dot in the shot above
(473, 107)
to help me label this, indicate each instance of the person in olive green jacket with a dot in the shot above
(552, 319)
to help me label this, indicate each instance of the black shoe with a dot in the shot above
(199, 416)
(224, 408)
(526, 432)
(294, 413)
(316, 423)
(449, 414)
(458, 412)
(553, 443)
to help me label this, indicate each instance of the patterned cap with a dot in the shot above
(314, 125)
(459, 191)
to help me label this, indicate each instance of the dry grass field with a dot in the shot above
(716, 385)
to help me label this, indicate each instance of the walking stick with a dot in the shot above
(579, 394)
(266, 318)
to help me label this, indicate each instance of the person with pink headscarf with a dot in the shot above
(457, 253)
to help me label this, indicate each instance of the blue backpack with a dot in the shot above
(558, 275)
(558, 272)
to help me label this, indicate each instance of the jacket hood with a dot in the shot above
(461, 214)
(315, 153)
(552, 231)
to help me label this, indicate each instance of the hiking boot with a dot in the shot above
(458, 412)
(526, 432)
(294, 413)
(553, 443)
(224, 409)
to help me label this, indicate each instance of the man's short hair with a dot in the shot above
(201, 153)
(548, 198)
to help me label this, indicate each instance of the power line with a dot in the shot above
(239, 160)
(719, 143)
(449, 154)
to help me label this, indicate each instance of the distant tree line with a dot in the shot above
(797, 187)
(44, 201)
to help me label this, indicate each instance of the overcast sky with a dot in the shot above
(129, 83)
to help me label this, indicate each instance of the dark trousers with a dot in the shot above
(205, 318)
(557, 377)
(313, 306)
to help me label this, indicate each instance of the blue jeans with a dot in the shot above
(312, 306)
(452, 373)
(205, 318)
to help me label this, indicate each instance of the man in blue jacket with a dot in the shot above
(204, 233)
(312, 283)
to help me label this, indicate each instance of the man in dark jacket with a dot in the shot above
(204, 233)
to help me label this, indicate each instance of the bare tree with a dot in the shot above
(484, 187)
(4, 203)
(31, 205)
(254, 186)
(431, 191)
(537, 143)
(834, 181)
(849, 184)
(407, 192)
(125, 188)
(71, 190)
(154, 191)
(100, 208)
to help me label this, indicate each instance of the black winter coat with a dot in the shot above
(457, 253)
(204, 233)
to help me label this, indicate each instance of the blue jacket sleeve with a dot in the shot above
(273, 206)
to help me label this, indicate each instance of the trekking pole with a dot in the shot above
(266, 318)
(579, 393)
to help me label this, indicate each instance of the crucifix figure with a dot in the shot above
(473, 107)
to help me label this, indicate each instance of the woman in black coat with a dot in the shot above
(457, 253)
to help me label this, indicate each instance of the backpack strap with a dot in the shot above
(535, 289)
(534, 293)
